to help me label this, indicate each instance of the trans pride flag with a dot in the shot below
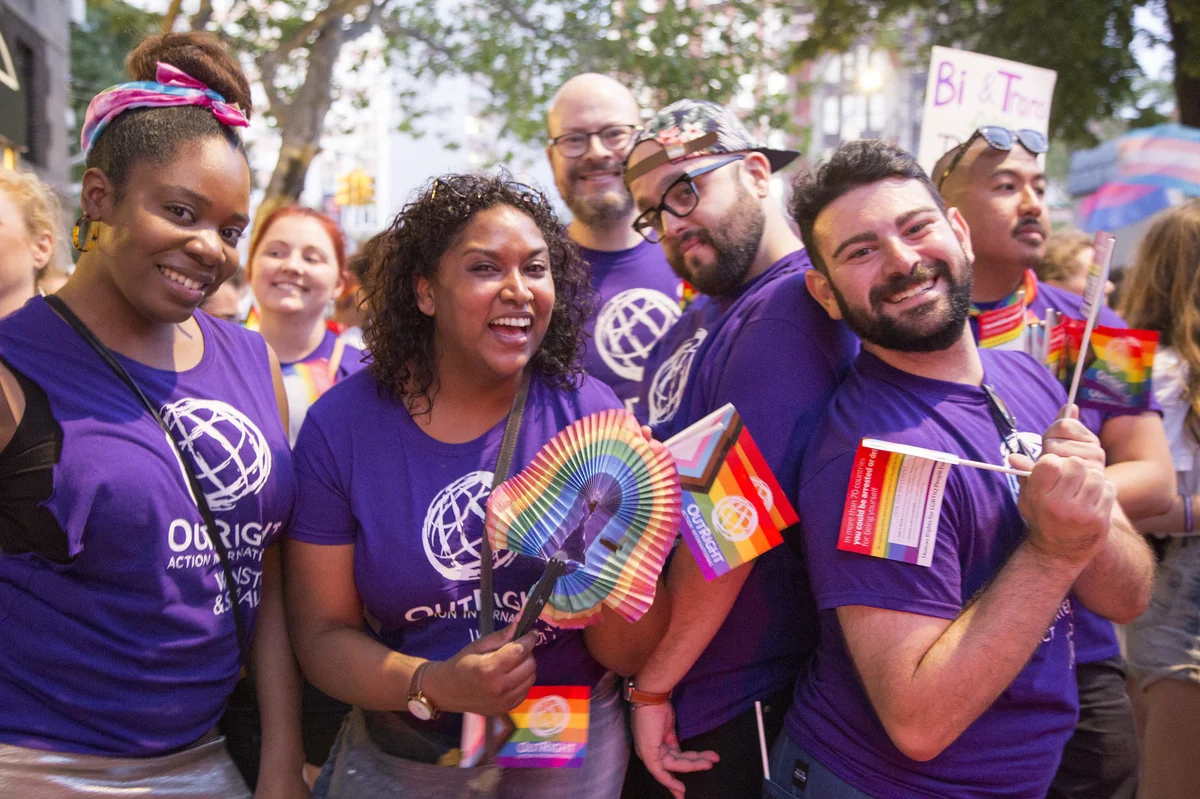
(733, 507)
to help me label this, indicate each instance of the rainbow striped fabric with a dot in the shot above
(733, 507)
(609, 500)
(550, 729)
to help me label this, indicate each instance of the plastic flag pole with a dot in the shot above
(935, 455)
(1093, 299)
(762, 740)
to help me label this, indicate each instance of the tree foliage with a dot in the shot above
(1087, 42)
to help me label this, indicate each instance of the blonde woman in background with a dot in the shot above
(30, 228)
(1162, 293)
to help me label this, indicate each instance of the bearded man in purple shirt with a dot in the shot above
(996, 182)
(592, 123)
(756, 339)
(951, 678)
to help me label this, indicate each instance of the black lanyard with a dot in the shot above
(197, 490)
(1006, 423)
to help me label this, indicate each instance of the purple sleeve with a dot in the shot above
(777, 365)
(323, 514)
(848, 578)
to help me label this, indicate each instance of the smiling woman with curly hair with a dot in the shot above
(401, 337)
(472, 288)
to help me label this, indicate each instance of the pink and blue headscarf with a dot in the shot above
(172, 87)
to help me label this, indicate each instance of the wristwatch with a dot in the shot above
(418, 703)
(638, 698)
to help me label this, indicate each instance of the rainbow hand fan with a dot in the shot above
(609, 501)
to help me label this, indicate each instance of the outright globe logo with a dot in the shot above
(229, 454)
(735, 518)
(666, 391)
(629, 326)
(549, 716)
(451, 547)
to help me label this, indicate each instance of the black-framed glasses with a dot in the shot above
(998, 138)
(615, 138)
(679, 200)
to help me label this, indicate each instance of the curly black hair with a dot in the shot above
(400, 337)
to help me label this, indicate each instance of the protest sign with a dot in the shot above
(967, 90)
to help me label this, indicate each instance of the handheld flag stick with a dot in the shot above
(944, 457)
(1093, 296)
(762, 741)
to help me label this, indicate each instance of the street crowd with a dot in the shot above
(246, 559)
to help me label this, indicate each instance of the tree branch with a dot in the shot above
(170, 15)
(391, 27)
(522, 20)
(202, 16)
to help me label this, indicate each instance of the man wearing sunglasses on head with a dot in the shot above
(945, 661)
(592, 123)
(995, 180)
(758, 340)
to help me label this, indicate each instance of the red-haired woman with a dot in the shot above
(297, 268)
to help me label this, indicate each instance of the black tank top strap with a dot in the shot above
(27, 479)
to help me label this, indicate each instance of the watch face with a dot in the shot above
(420, 709)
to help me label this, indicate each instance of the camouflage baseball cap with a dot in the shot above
(690, 129)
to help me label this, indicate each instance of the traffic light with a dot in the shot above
(355, 188)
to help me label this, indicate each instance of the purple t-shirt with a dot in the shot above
(413, 507)
(1013, 748)
(130, 648)
(306, 380)
(773, 352)
(638, 303)
(1095, 636)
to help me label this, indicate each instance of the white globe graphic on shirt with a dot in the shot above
(228, 454)
(1033, 443)
(735, 518)
(628, 327)
(764, 492)
(666, 390)
(450, 547)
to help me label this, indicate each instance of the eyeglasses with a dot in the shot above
(615, 138)
(998, 138)
(680, 199)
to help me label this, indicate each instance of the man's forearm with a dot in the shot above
(1118, 582)
(961, 672)
(699, 608)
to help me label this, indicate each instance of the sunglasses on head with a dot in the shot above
(998, 138)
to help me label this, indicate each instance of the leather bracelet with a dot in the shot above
(1187, 512)
(637, 698)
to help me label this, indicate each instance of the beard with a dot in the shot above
(597, 209)
(735, 243)
(906, 334)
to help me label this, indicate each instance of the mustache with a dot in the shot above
(606, 165)
(922, 272)
(1029, 221)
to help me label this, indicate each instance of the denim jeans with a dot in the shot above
(794, 772)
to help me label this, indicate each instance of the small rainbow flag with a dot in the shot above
(550, 729)
(733, 507)
(253, 319)
(893, 504)
(1118, 366)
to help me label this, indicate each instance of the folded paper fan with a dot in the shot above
(609, 501)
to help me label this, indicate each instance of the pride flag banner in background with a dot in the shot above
(550, 729)
(733, 507)
(894, 502)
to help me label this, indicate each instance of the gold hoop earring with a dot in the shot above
(85, 234)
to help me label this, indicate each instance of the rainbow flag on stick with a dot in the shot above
(733, 507)
(894, 502)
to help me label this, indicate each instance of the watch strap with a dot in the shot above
(637, 697)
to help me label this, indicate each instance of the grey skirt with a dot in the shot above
(358, 768)
(202, 771)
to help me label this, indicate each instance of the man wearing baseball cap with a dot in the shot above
(756, 339)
